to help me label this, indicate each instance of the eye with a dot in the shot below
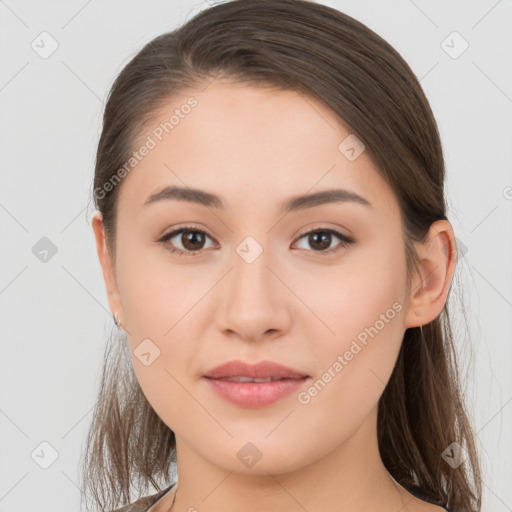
(322, 238)
(192, 241)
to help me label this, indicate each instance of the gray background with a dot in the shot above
(55, 317)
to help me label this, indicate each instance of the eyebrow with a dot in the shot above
(194, 195)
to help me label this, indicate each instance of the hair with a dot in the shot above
(315, 50)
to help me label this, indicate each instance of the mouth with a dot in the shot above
(254, 386)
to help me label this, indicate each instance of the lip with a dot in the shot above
(261, 370)
(254, 394)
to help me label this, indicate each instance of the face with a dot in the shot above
(319, 288)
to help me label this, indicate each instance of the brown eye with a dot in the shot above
(192, 241)
(320, 240)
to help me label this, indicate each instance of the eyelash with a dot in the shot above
(345, 240)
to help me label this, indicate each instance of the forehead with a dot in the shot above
(250, 145)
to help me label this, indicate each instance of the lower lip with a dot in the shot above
(255, 394)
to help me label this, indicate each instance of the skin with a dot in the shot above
(256, 148)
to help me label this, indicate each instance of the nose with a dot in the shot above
(255, 302)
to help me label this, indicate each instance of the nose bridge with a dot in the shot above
(251, 277)
(253, 303)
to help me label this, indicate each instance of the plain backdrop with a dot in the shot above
(55, 318)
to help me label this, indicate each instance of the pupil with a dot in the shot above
(325, 239)
(191, 238)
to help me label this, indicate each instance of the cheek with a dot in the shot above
(362, 292)
(356, 364)
(361, 306)
(160, 301)
(156, 291)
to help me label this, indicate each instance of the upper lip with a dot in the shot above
(261, 370)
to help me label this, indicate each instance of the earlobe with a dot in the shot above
(438, 257)
(107, 265)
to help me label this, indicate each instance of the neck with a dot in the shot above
(350, 477)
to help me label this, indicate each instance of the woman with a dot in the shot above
(273, 236)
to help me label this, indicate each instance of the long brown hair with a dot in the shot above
(317, 51)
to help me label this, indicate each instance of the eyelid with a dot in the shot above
(178, 229)
(323, 226)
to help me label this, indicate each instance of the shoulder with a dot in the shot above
(143, 504)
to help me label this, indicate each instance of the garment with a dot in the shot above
(143, 504)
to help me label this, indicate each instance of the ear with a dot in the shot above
(107, 266)
(438, 259)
